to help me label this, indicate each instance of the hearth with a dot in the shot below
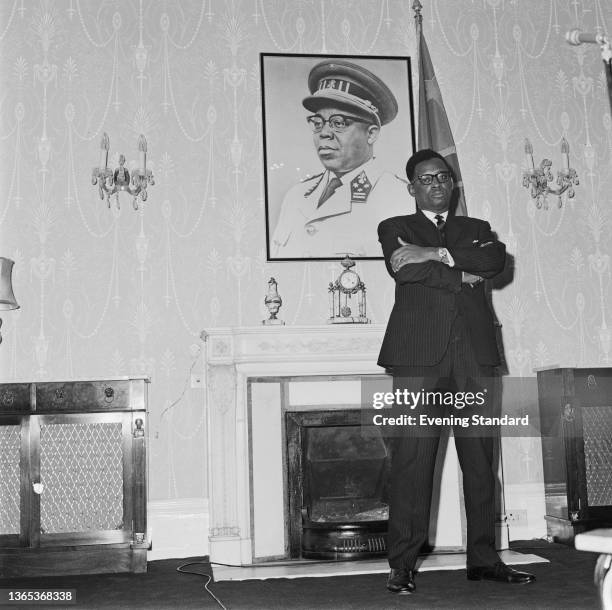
(338, 486)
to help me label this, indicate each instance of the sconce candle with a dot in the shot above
(529, 154)
(104, 146)
(142, 154)
(565, 154)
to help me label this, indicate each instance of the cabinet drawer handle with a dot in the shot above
(38, 488)
(109, 394)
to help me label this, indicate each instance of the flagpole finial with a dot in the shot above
(417, 7)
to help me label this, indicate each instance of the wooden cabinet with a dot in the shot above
(73, 477)
(576, 427)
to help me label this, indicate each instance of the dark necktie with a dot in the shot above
(330, 189)
(441, 223)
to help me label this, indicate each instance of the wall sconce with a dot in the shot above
(113, 182)
(7, 298)
(537, 178)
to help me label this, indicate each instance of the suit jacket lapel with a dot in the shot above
(453, 231)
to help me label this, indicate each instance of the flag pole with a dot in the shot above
(417, 7)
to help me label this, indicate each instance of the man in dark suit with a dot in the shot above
(440, 336)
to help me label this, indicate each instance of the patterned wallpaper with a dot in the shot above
(115, 292)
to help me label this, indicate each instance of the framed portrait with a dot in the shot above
(337, 132)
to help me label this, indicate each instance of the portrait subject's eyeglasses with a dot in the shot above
(441, 177)
(337, 122)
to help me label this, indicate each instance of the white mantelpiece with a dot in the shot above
(245, 433)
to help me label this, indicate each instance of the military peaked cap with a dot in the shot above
(342, 84)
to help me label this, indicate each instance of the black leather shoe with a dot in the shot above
(500, 572)
(401, 581)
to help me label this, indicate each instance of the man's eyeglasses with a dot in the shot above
(441, 177)
(337, 122)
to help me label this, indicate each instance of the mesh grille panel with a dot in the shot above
(10, 440)
(81, 468)
(597, 430)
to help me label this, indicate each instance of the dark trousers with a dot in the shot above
(413, 458)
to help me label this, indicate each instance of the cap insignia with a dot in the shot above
(334, 83)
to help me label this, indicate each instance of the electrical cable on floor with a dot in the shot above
(201, 563)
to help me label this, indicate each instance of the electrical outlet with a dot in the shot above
(517, 516)
(197, 382)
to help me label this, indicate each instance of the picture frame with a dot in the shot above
(295, 170)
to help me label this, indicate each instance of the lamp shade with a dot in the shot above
(7, 298)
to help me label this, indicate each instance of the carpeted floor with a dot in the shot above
(565, 582)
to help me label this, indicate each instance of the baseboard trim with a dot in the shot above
(178, 528)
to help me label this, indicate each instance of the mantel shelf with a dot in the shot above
(358, 344)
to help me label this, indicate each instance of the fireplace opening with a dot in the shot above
(338, 486)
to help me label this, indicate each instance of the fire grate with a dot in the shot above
(338, 480)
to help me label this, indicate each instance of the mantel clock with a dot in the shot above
(347, 297)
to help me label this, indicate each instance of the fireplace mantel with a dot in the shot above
(245, 434)
(350, 347)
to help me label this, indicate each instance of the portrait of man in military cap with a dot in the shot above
(336, 133)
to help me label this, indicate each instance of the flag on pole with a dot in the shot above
(434, 128)
(606, 55)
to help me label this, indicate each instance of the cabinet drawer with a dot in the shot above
(14, 397)
(83, 396)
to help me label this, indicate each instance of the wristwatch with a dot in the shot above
(443, 255)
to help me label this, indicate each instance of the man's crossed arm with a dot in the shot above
(469, 264)
(411, 254)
